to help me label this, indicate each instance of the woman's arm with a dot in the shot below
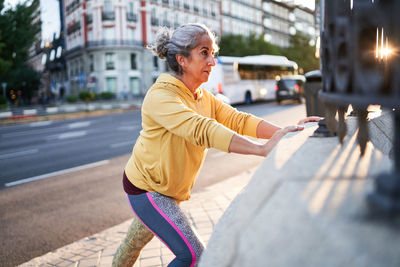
(242, 145)
(266, 129)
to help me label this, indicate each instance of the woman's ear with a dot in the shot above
(180, 59)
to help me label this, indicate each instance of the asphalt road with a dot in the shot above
(40, 216)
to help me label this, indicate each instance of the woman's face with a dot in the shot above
(197, 67)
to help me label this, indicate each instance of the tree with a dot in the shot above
(302, 52)
(17, 34)
(239, 46)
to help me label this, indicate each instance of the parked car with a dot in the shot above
(290, 87)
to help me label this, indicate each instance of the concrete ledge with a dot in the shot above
(381, 132)
(305, 206)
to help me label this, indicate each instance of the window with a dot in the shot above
(133, 62)
(91, 63)
(134, 86)
(110, 61)
(155, 62)
(111, 84)
(107, 6)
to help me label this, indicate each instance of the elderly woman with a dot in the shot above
(180, 120)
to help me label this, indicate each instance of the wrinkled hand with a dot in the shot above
(293, 128)
(309, 119)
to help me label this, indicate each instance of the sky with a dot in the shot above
(51, 23)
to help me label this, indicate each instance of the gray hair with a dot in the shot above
(181, 41)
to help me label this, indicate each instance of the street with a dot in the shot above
(38, 217)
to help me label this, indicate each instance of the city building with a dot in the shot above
(105, 40)
(283, 20)
(241, 17)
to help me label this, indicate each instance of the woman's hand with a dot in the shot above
(309, 119)
(268, 146)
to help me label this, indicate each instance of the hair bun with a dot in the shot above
(160, 46)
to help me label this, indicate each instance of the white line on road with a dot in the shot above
(48, 175)
(127, 143)
(128, 128)
(40, 123)
(18, 154)
(72, 134)
(79, 124)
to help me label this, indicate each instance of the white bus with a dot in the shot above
(248, 79)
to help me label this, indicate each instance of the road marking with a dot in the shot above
(79, 124)
(127, 143)
(72, 134)
(40, 123)
(48, 175)
(128, 128)
(19, 153)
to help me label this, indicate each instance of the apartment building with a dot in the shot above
(283, 20)
(105, 39)
(241, 17)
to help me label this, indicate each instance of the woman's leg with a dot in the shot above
(162, 215)
(136, 238)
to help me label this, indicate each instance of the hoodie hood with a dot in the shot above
(168, 79)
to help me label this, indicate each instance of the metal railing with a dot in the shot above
(114, 42)
(359, 69)
(131, 16)
(108, 15)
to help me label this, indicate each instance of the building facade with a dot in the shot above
(241, 17)
(105, 39)
(283, 20)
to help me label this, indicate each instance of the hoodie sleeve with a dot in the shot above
(167, 110)
(240, 122)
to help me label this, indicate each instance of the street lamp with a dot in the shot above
(4, 85)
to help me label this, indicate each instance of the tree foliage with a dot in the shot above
(299, 51)
(302, 52)
(239, 46)
(17, 34)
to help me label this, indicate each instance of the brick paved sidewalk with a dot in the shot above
(203, 210)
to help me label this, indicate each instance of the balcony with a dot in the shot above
(196, 9)
(176, 3)
(166, 23)
(108, 15)
(165, 2)
(131, 17)
(154, 21)
(89, 18)
(114, 42)
(72, 6)
(186, 6)
(73, 28)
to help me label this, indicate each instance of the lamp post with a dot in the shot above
(4, 85)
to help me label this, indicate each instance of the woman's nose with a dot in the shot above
(213, 61)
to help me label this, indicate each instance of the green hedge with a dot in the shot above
(72, 98)
(3, 100)
(107, 95)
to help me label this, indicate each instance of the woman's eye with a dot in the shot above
(204, 52)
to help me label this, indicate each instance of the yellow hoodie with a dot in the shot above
(176, 131)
